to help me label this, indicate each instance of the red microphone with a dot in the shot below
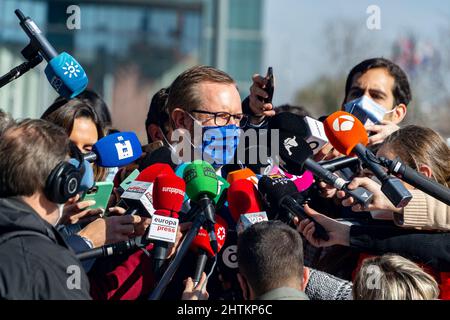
(202, 245)
(138, 195)
(243, 198)
(348, 135)
(245, 204)
(168, 197)
(149, 174)
(168, 194)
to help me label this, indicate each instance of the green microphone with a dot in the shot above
(202, 187)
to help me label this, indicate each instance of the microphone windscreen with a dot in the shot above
(294, 151)
(202, 240)
(243, 198)
(87, 181)
(150, 173)
(289, 122)
(275, 188)
(168, 193)
(200, 179)
(245, 173)
(66, 75)
(160, 155)
(345, 131)
(117, 150)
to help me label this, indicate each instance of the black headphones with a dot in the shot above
(64, 181)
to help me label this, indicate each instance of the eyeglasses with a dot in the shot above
(223, 118)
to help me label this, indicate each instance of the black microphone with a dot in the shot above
(278, 192)
(296, 155)
(340, 163)
(108, 250)
(417, 180)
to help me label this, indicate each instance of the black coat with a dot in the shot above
(38, 265)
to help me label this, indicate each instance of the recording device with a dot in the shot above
(115, 150)
(417, 180)
(100, 193)
(279, 193)
(269, 87)
(63, 72)
(296, 155)
(348, 136)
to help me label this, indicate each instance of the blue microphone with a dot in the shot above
(63, 72)
(115, 150)
(87, 181)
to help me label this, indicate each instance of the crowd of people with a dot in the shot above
(377, 252)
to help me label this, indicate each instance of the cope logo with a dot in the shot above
(343, 123)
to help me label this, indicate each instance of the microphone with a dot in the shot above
(296, 154)
(348, 136)
(309, 129)
(244, 173)
(115, 150)
(302, 182)
(202, 187)
(107, 250)
(278, 192)
(168, 196)
(245, 204)
(340, 163)
(417, 180)
(138, 195)
(63, 72)
(201, 244)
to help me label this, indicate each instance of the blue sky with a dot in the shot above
(294, 40)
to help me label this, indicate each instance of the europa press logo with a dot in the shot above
(343, 123)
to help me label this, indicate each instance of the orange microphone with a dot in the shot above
(348, 136)
(345, 131)
(242, 174)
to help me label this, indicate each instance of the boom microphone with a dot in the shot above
(417, 180)
(348, 136)
(63, 72)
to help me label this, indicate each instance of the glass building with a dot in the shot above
(130, 49)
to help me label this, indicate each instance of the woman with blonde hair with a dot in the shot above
(392, 277)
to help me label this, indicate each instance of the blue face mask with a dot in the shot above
(366, 110)
(219, 144)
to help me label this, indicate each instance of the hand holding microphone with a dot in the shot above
(338, 232)
(379, 201)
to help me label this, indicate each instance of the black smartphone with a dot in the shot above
(270, 86)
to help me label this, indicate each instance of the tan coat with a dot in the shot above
(424, 212)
